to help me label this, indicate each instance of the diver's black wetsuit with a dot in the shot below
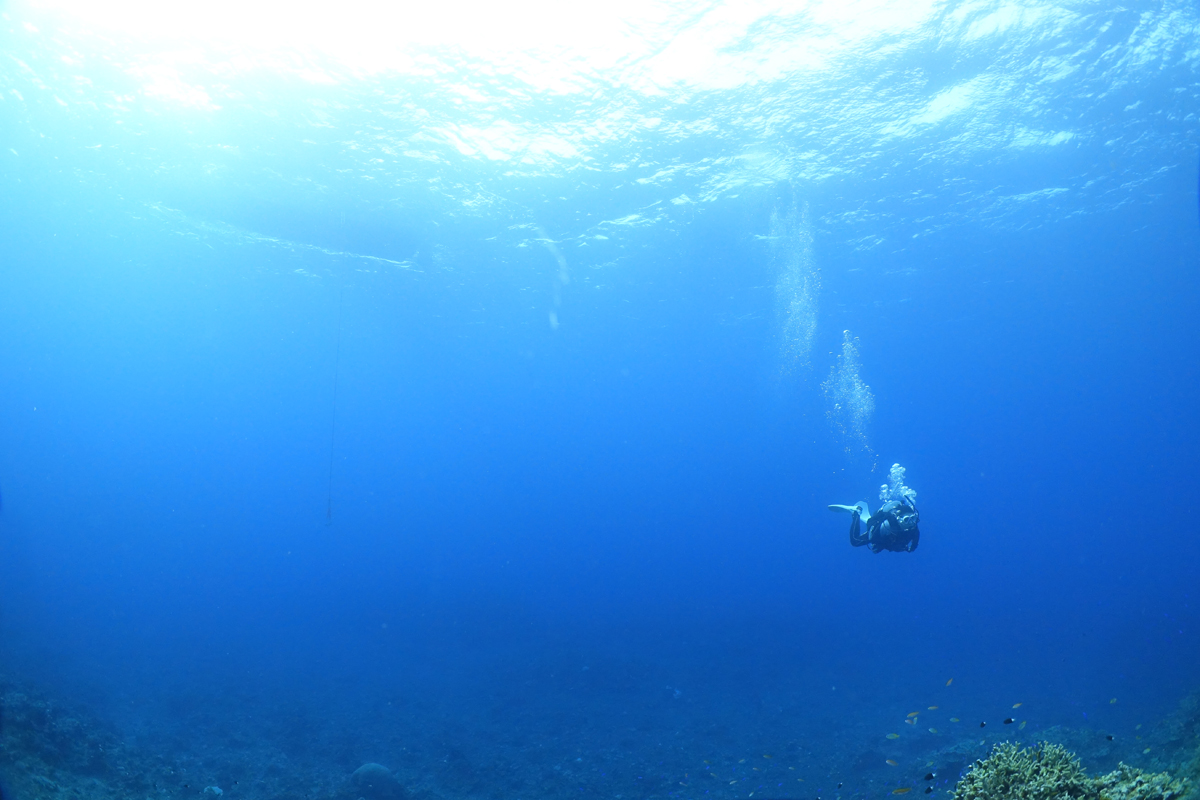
(893, 527)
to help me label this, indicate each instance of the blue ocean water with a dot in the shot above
(463, 389)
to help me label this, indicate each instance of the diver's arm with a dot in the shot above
(916, 534)
(915, 540)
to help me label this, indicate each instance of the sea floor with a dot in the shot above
(520, 741)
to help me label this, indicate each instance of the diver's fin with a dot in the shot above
(863, 510)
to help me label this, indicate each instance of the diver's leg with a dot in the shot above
(857, 539)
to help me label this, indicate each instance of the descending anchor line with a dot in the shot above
(337, 361)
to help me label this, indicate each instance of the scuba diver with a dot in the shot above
(894, 526)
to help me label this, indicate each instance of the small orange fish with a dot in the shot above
(893, 736)
(1112, 701)
(909, 722)
(950, 681)
(1016, 705)
(892, 763)
(767, 756)
(954, 719)
(933, 730)
(1021, 727)
(902, 790)
(913, 713)
(933, 708)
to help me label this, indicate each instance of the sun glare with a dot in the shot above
(363, 33)
(647, 45)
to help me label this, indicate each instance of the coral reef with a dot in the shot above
(1129, 783)
(1181, 734)
(1051, 772)
(48, 751)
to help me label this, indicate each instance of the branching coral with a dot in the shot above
(1045, 772)
(1050, 772)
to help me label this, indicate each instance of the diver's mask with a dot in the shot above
(906, 517)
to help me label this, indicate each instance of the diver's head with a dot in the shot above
(907, 517)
